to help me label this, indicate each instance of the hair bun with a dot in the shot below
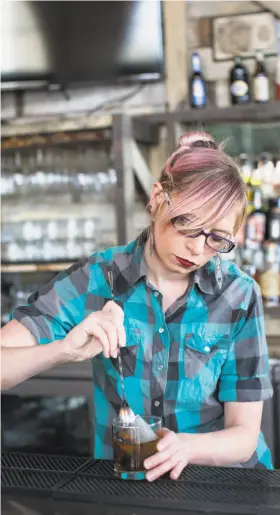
(188, 141)
(194, 139)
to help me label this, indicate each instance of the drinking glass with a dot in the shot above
(133, 443)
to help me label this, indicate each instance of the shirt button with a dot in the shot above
(161, 330)
(156, 293)
(157, 403)
(160, 367)
(207, 348)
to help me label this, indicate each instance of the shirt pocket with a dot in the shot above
(204, 355)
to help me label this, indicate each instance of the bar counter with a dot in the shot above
(43, 484)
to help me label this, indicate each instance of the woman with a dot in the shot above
(191, 325)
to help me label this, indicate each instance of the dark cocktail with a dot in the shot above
(133, 443)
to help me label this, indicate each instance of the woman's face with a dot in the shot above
(182, 254)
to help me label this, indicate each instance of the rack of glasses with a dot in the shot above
(52, 200)
(66, 195)
(39, 172)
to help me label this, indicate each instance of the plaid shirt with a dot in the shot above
(208, 348)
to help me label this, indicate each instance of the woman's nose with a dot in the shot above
(196, 245)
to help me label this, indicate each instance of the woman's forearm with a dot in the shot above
(20, 363)
(227, 447)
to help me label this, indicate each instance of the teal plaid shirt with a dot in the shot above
(208, 348)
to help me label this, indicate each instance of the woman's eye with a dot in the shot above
(217, 238)
(182, 220)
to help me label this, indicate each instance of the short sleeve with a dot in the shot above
(245, 374)
(58, 306)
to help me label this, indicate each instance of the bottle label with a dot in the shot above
(270, 283)
(246, 173)
(196, 64)
(256, 227)
(239, 88)
(261, 88)
(198, 92)
(275, 229)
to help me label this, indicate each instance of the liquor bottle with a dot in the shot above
(277, 78)
(260, 80)
(248, 265)
(256, 220)
(239, 82)
(254, 183)
(266, 167)
(270, 276)
(276, 178)
(245, 167)
(273, 220)
(258, 261)
(197, 83)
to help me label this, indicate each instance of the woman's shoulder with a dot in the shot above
(233, 271)
(235, 282)
(96, 262)
(111, 253)
(234, 276)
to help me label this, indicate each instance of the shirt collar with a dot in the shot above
(205, 278)
(132, 266)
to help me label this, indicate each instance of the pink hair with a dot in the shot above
(199, 174)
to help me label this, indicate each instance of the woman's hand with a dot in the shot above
(102, 331)
(172, 456)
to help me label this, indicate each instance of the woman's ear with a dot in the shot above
(156, 196)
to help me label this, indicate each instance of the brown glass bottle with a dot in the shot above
(270, 276)
(239, 82)
(256, 220)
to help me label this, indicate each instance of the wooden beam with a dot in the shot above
(141, 169)
(273, 7)
(56, 124)
(159, 154)
(125, 191)
(176, 52)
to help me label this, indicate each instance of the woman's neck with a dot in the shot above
(159, 275)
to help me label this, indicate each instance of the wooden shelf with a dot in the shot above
(87, 129)
(35, 267)
(56, 124)
(254, 113)
(59, 138)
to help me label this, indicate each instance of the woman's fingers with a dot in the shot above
(158, 458)
(114, 309)
(173, 463)
(166, 440)
(121, 334)
(177, 470)
(165, 447)
(95, 331)
(116, 315)
(160, 470)
(100, 331)
(111, 330)
(171, 456)
(108, 327)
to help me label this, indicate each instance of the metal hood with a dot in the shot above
(26, 50)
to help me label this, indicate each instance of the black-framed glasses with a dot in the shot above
(213, 241)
